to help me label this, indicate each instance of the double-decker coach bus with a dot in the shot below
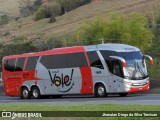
(98, 69)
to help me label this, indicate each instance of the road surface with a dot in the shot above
(141, 99)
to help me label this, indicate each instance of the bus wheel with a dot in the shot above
(123, 94)
(36, 93)
(25, 93)
(100, 91)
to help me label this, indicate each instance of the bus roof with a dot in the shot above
(112, 47)
(48, 52)
(109, 47)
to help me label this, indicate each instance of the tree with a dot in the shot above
(53, 9)
(68, 5)
(26, 7)
(40, 13)
(117, 28)
(156, 39)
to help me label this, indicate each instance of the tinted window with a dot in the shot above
(31, 63)
(117, 69)
(108, 60)
(19, 64)
(113, 65)
(9, 64)
(64, 60)
(94, 60)
(76, 60)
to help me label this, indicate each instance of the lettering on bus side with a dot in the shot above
(63, 80)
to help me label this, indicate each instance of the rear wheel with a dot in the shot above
(100, 91)
(123, 94)
(36, 93)
(25, 93)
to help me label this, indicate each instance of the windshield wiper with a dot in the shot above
(140, 70)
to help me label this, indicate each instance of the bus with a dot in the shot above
(96, 69)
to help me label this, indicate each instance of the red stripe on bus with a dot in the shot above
(49, 52)
(87, 81)
(139, 89)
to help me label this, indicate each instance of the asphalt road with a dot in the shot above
(141, 99)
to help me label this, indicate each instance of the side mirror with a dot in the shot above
(150, 59)
(124, 64)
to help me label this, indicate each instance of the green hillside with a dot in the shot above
(69, 22)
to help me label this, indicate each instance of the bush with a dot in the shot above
(19, 39)
(117, 28)
(4, 19)
(68, 5)
(53, 9)
(155, 48)
(12, 49)
(52, 19)
(26, 8)
(40, 13)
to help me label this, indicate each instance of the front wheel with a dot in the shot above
(123, 94)
(36, 93)
(100, 91)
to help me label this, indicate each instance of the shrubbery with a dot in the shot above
(26, 8)
(4, 19)
(40, 13)
(117, 28)
(53, 9)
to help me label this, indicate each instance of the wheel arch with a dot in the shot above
(100, 82)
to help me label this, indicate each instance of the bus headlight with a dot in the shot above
(147, 81)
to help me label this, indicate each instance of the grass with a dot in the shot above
(100, 107)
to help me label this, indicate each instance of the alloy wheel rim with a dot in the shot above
(35, 93)
(25, 93)
(101, 90)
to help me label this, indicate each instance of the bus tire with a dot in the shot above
(25, 93)
(35, 93)
(123, 94)
(100, 90)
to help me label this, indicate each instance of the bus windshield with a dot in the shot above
(136, 65)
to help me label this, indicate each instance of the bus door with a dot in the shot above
(116, 79)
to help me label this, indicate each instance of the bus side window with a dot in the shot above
(31, 63)
(9, 64)
(94, 60)
(64, 60)
(76, 60)
(116, 68)
(19, 64)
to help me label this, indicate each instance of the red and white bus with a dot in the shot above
(98, 69)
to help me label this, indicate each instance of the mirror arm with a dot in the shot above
(150, 58)
(124, 64)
